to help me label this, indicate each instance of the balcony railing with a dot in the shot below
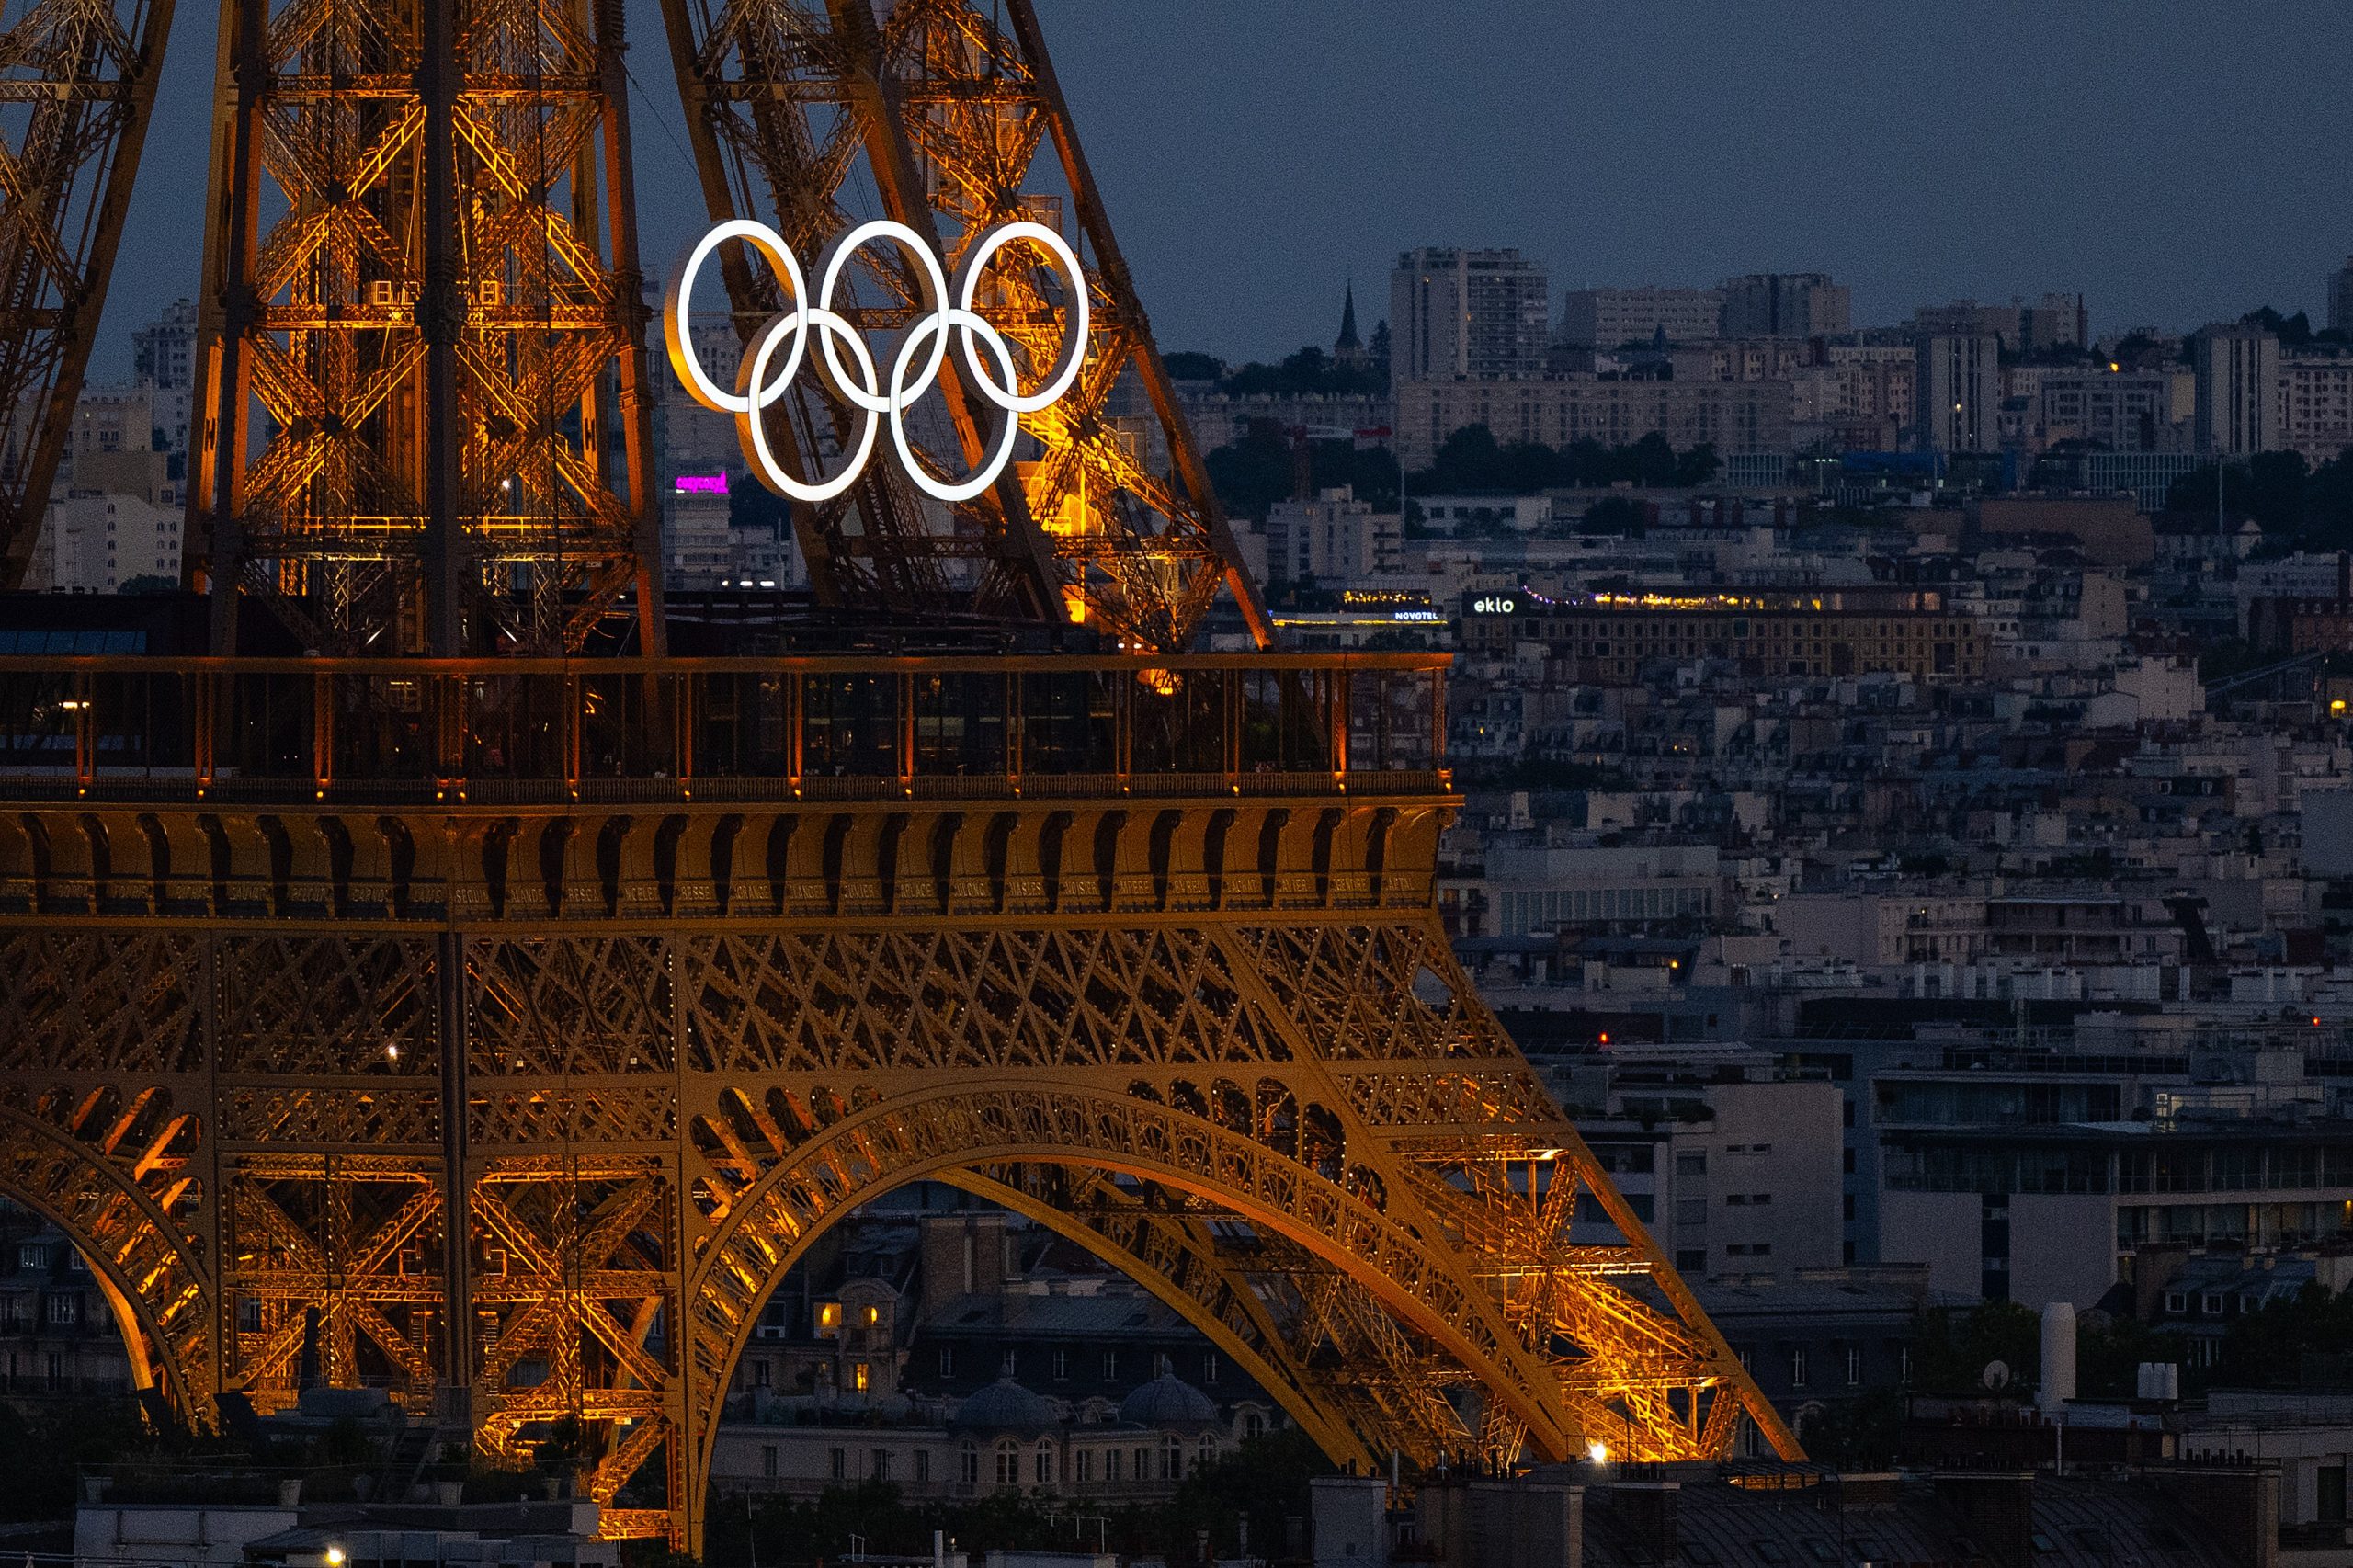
(519, 731)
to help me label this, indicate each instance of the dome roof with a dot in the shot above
(1168, 1401)
(1005, 1406)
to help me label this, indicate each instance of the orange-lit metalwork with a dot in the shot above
(421, 418)
(529, 1036)
(947, 115)
(75, 97)
(501, 1030)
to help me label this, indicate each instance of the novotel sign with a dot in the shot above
(848, 369)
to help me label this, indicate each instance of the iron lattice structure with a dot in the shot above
(948, 115)
(502, 1029)
(533, 1085)
(423, 328)
(77, 78)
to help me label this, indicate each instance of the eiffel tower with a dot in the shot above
(446, 986)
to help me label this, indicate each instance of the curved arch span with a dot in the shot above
(156, 1289)
(951, 1132)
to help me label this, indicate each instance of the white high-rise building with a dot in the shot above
(2238, 390)
(1468, 313)
(1958, 387)
(164, 352)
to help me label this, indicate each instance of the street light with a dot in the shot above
(334, 1557)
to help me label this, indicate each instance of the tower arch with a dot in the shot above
(57, 1162)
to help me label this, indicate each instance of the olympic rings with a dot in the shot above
(862, 383)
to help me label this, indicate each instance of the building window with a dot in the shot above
(923, 1465)
(1854, 1366)
(1903, 1363)
(859, 1376)
(1008, 1465)
(1253, 1424)
(1085, 1458)
(1206, 1453)
(1111, 1464)
(1042, 1467)
(947, 1361)
(1172, 1460)
(1692, 1163)
(971, 1464)
(767, 1462)
(1062, 1365)
(879, 1460)
(2177, 1301)
(1797, 1366)
(1208, 1366)
(839, 1462)
(1691, 1260)
(2212, 1304)
(1110, 1366)
(61, 1311)
(760, 1374)
(1005, 1364)
(1144, 1464)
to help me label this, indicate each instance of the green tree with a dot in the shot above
(2110, 1351)
(2266, 1347)
(754, 508)
(2293, 332)
(1653, 458)
(1954, 1346)
(1264, 1481)
(1253, 473)
(1697, 466)
(1469, 463)
(1189, 367)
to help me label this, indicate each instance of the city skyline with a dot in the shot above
(2088, 167)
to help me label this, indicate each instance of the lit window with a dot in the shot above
(858, 1376)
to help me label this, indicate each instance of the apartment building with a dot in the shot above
(1607, 638)
(1734, 418)
(1607, 318)
(1468, 313)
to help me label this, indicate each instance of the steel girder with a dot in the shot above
(681, 1052)
(78, 80)
(420, 325)
(949, 112)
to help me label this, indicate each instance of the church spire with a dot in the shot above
(1350, 347)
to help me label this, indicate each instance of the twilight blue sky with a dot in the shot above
(2176, 159)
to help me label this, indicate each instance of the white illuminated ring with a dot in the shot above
(862, 383)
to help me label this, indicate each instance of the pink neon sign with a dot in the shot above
(702, 484)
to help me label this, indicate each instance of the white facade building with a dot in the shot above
(96, 543)
(2238, 379)
(1959, 385)
(1468, 313)
(1335, 539)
